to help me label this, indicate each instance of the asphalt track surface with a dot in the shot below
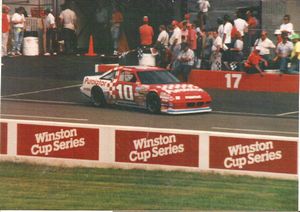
(47, 88)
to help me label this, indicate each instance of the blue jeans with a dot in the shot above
(115, 34)
(295, 67)
(18, 35)
(283, 64)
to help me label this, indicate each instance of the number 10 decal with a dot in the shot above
(125, 92)
(230, 80)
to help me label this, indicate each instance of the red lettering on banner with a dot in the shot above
(253, 155)
(3, 137)
(58, 142)
(157, 148)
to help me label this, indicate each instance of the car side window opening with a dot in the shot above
(126, 76)
(109, 76)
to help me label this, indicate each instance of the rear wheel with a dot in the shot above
(98, 98)
(153, 103)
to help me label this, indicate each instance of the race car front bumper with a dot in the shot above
(187, 110)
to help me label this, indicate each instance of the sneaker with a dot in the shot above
(12, 54)
(47, 54)
(54, 53)
(115, 52)
(18, 53)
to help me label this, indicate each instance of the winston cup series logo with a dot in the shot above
(47, 142)
(145, 149)
(259, 152)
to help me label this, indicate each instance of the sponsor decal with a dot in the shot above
(95, 82)
(3, 138)
(157, 148)
(60, 142)
(193, 97)
(253, 155)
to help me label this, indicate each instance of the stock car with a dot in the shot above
(151, 88)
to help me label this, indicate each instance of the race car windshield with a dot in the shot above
(157, 77)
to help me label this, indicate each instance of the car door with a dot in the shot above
(125, 87)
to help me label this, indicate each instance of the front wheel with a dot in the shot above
(98, 98)
(153, 103)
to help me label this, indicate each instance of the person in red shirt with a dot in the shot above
(146, 33)
(252, 27)
(5, 29)
(252, 65)
(192, 37)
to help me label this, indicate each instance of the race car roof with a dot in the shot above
(142, 68)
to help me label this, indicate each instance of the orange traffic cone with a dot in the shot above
(91, 48)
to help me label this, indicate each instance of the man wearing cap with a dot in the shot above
(175, 43)
(277, 33)
(51, 33)
(5, 29)
(186, 61)
(283, 52)
(146, 33)
(295, 56)
(252, 65)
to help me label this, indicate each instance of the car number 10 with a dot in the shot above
(233, 80)
(125, 92)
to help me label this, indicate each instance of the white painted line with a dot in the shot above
(41, 101)
(289, 113)
(252, 130)
(43, 117)
(242, 113)
(40, 91)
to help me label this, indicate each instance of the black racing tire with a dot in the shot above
(153, 103)
(97, 97)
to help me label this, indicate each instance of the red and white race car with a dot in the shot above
(154, 89)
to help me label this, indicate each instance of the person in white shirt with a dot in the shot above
(68, 20)
(265, 45)
(240, 24)
(220, 27)
(287, 26)
(283, 51)
(237, 51)
(186, 61)
(161, 45)
(216, 55)
(18, 21)
(226, 40)
(175, 43)
(51, 33)
(203, 11)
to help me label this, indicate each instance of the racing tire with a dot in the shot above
(153, 103)
(97, 97)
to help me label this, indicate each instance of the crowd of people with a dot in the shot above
(235, 44)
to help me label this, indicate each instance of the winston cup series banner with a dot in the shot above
(59, 142)
(157, 148)
(253, 155)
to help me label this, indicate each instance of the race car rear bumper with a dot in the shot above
(187, 111)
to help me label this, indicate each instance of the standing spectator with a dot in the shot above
(186, 62)
(216, 56)
(287, 26)
(240, 24)
(175, 43)
(199, 41)
(220, 23)
(18, 21)
(146, 33)
(184, 32)
(265, 45)
(237, 50)
(253, 63)
(101, 29)
(203, 12)
(192, 37)
(208, 42)
(162, 45)
(252, 27)
(51, 33)
(283, 51)
(68, 20)
(226, 41)
(295, 56)
(187, 18)
(5, 29)
(116, 21)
